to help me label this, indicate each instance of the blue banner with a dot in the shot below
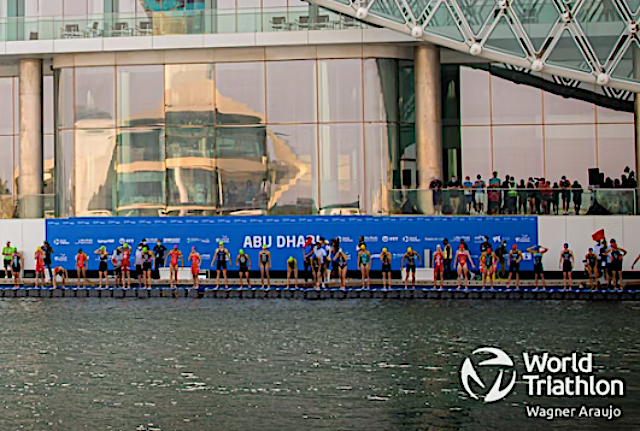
(284, 236)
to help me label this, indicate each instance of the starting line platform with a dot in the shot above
(236, 292)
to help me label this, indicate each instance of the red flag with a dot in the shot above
(598, 236)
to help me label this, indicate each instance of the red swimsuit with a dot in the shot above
(195, 264)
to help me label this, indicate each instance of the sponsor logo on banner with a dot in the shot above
(198, 240)
(125, 240)
(478, 239)
(407, 239)
(345, 239)
(432, 239)
(84, 241)
(60, 241)
(223, 238)
(172, 240)
(106, 241)
(370, 239)
(60, 258)
(390, 239)
(523, 239)
(489, 375)
(460, 238)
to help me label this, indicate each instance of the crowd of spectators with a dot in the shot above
(510, 196)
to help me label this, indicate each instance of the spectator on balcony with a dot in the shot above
(546, 194)
(468, 194)
(577, 196)
(232, 194)
(494, 181)
(512, 197)
(436, 189)
(249, 193)
(624, 182)
(555, 198)
(608, 183)
(522, 197)
(565, 185)
(454, 194)
(493, 193)
(531, 195)
(503, 194)
(480, 186)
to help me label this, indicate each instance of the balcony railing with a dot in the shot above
(212, 21)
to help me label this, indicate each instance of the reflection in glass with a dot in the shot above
(340, 90)
(291, 91)
(241, 157)
(406, 92)
(293, 167)
(475, 97)
(564, 110)
(380, 90)
(574, 143)
(95, 152)
(476, 151)
(65, 98)
(6, 106)
(191, 172)
(341, 166)
(140, 95)
(517, 151)
(63, 167)
(382, 148)
(94, 97)
(616, 148)
(514, 103)
(240, 97)
(141, 175)
(189, 94)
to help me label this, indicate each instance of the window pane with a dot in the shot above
(474, 97)
(606, 115)
(340, 90)
(189, 94)
(96, 7)
(6, 106)
(16, 105)
(616, 148)
(570, 151)
(50, 7)
(518, 151)
(94, 97)
(6, 173)
(341, 166)
(48, 165)
(515, 103)
(191, 171)
(241, 157)
(140, 95)
(293, 166)
(381, 141)
(240, 93)
(476, 152)
(64, 174)
(95, 192)
(141, 175)
(380, 90)
(47, 102)
(65, 99)
(291, 91)
(562, 110)
(407, 92)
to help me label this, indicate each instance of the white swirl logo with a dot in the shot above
(500, 359)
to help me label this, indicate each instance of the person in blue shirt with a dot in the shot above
(495, 181)
(467, 185)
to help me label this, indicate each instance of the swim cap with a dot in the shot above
(264, 246)
(175, 247)
(221, 243)
(15, 249)
(290, 259)
(125, 245)
(362, 247)
(408, 248)
(144, 249)
(39, 248)
(103, 248)
(193, 248)
(384, 250)
(566, 245)
(590, 249)
(241, 251)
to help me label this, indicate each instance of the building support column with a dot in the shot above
(426, 59)
(30, 180)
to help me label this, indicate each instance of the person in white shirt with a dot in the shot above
(321, 257)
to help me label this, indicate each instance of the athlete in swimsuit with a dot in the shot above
(438, 265)
(617, 254)
(385, 258)
(364, 263)
(265, 265)
(103, 255)
(410, 256)
(39, 257)
(341, 260)
(462, 261)
(515, 257)
(591, 259)
(174, 255)
(126, 266)
(488, 261)
(147, 263)
(292, 266)
(221, 257)
(16, 266)
(566, 264)
(58, 270)
(244, 264)
(196, 260)
(538, 270)
(81, 267)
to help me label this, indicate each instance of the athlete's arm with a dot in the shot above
(419, 258)
(635, 261)
(402, 261)
(624, 252)
(248, 262)
(470, 259)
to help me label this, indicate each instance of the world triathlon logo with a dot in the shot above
(499, 359)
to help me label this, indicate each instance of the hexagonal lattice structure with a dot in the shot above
(593, 41)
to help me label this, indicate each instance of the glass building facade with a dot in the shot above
(268, 137)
